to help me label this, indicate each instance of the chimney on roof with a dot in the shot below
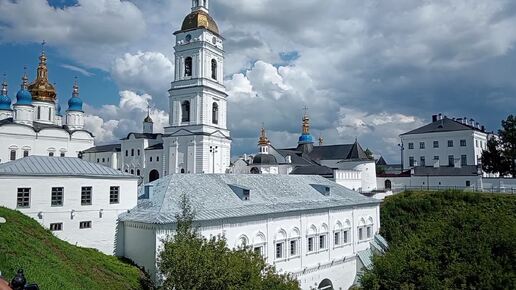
(483, 128)
(434, 118)
(440, 116)
(465, 120)
(472, 123)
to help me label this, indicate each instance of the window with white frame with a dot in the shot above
(86, 195)
(361, 233)
(85, 225)
(114, 194)
(346, 239)
(260, 245)
(279, 245)
(56, 227)
(410, 145)
(323, 238)
(293, 243)
(310, 244)
(337, 238)
(280, 248)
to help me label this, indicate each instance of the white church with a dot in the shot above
(34, 124)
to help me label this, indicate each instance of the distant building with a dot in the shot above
(443, 154)
(309, 226)
(77, 200)
(34, 124)
(346, 164)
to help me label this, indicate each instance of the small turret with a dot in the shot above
(306, 141)
(5, 102)
(148, 124)
(75, 114)
(23, 109)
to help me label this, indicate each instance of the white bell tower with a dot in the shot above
(198, 140)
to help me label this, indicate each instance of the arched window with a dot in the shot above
(138, 172)
(215, 113)
(132, 171)
(182, 170)
(26, 153)
(188, 67)
(185, 111)
(132, 152)
(13, 155)
(214, 69)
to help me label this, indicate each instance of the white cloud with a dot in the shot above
(78, 69)
(147, 72)
(110, 123)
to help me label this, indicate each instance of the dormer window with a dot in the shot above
(242, 192)
(323, 189)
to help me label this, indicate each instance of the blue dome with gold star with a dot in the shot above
(24, 97)
(5, 100)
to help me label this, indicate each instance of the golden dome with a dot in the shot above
(199, 19)
(41, 89)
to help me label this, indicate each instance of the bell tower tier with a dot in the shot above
(198, 139)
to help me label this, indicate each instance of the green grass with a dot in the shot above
(447, 240)
(55, 264)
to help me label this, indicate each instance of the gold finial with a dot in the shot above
(75, 92)
(264, 141)
(306, 122)
(4, 86)
(25, 79)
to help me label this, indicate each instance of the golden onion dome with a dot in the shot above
(41, 89)
(199, 19)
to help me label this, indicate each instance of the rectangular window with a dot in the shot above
(410, 145)
(114, 194)
(56, 227)
(86, 193)
(421, 145)
(369, 232)
(26, 153)
(157, 158)
(345, 237)
(360, 233)
(436, 158)
(451, 160)
(463, 160)
(436, 144)
(13, 155)
(411, 161)
(463, 143)
(422, 159)
(51, 154)
(23, 198)
(85, 225)
(62, 154)
(279, 250)
(476, 143)
(322, 242)
(57, 196)
(336, 238)
(293, 248)
(450, 143)
(258, 250)
(311, 244)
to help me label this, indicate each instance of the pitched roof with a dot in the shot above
(58, 166)
(104, 148)
(443, 125)
(381, 161)
(313, 170)
(469, 170)
(343, 152)
(213, 198)
(144, 135)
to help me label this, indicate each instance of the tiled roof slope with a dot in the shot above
(213, 198)
(58, 166)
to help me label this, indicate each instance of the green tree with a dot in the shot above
(500, 154)
(190, 261)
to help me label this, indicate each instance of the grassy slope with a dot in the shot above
(55, 264)
(448, 240)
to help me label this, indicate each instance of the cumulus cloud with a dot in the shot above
(110, 123)
(147, 72)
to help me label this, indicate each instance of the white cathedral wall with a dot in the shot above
(367, 169)
(21, 137)
(424, 182)
(102, 214)
(5, 114)
(155, 164)
(265, 231)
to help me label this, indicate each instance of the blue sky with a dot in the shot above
(366, 69)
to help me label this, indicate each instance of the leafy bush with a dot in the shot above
(446, 240)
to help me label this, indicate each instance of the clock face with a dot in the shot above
(188, 38)
(214, 40)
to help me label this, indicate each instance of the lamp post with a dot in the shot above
(213, 151)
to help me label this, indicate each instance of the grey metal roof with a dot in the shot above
(144, 135)
(469, 170)
(104, 148)
(344, 152)
(58, 166)
(158, 146)
(366, 258)
(213, 198)
(265, 159)
(443, 125)
(313, 170)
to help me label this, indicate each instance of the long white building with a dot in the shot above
(77, 200)
(34, 124)
(309, 226)
(197, 139)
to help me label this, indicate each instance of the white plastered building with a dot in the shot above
(308, 226)
(197, 139)
(34, 125)
(77, 200)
